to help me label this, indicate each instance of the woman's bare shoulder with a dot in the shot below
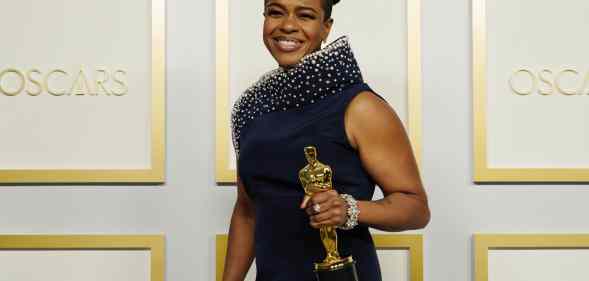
(370, 116)
(368, 107)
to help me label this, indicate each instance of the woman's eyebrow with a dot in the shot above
(270, 4)
(275, 4)
(307, 8)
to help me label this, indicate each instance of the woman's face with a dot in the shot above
(294, 28)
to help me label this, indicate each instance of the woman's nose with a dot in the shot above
(289, 25)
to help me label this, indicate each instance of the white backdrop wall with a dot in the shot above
(190, 209)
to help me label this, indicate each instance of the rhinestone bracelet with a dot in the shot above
(352, 212)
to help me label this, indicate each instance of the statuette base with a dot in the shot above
(342, 270)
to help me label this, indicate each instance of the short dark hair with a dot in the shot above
(327, 7)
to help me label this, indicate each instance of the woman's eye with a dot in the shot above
(274, 13)
(308, 16)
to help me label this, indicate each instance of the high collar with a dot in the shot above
(318, 75)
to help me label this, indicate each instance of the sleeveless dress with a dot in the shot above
(272, 122)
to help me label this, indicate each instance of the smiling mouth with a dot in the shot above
(285, 44)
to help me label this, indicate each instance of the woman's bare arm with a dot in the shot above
(240, 251)
(375, 130)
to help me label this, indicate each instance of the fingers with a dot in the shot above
(323, 200)
(334, 213)
(334, 217)
(305, 202)
(318, 198)
(333, 210)
(323, 197)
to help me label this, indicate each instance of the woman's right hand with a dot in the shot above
(325, 209)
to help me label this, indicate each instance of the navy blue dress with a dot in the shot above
(270, 148)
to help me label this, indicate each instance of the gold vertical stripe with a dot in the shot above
(158, 80)
(414, 76)
(221, 253)
(480, 88)
(223, 173)
(481, 259)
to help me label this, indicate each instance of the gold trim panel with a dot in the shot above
(223, 174)
(156, 174)
(485, 242)
(482, 172)
(411, 243)
(153, 243)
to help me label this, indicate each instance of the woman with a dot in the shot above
(315, 98)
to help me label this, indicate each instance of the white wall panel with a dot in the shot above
(535, 130)
(395, 265)
(539, 265)
(76, 131)
(78, 265)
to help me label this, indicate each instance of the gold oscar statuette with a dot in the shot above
(316, 177)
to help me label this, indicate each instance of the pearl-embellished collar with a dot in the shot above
(318, 75)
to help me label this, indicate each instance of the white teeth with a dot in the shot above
(287, 44)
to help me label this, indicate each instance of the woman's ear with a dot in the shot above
(327, 24)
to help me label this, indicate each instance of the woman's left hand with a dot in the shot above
(326, 209)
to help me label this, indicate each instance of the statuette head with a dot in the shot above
(311, 154)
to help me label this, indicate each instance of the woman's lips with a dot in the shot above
(287, 45)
